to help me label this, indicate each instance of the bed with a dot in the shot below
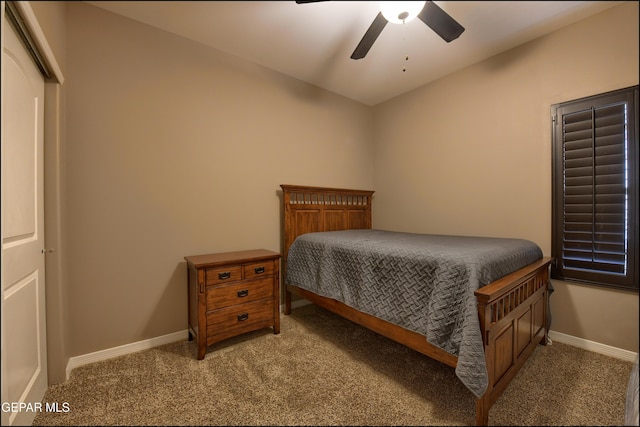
(486, 332)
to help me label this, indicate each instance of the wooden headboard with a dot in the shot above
(311, 209)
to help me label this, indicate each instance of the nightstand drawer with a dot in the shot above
(223, 275)
(239, 318)
(259, 269)
(239, 293)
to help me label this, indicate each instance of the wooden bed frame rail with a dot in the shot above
(512, 311)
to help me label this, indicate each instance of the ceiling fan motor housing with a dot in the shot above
(400, 12)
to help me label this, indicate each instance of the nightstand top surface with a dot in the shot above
(211, 260)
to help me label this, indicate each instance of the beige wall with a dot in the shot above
(177, 149)
(170, 149)
(471, 153)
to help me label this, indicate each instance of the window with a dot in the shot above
(595, 189)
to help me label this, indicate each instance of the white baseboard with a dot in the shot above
(109, 353)
(596, 347)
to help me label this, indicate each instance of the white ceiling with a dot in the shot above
(313, 42)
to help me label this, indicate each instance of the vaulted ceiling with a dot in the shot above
(313, 41)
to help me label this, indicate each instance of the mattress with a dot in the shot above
(422, 282)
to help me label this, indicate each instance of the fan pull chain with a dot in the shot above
(406, 57)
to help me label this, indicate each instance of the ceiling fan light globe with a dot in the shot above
(401, 12)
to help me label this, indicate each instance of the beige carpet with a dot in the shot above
(324, 370)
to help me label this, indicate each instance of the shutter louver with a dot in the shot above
(595, 210)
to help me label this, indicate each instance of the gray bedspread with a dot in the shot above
(421, 282)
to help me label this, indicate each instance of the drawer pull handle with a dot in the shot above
(243, 293)
(259, 270)
(224, 275)
(242, 317)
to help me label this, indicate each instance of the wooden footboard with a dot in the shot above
(513, 314)
(512, 310)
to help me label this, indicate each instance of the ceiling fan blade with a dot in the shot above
(369, 37)
(440, 22)
(308, 1)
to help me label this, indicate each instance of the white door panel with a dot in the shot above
(19, 155)
(24, 356)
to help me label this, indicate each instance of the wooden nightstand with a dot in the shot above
(232, 293)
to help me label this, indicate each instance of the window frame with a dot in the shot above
(559, 270)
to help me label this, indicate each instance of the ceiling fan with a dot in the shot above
(402, 12)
